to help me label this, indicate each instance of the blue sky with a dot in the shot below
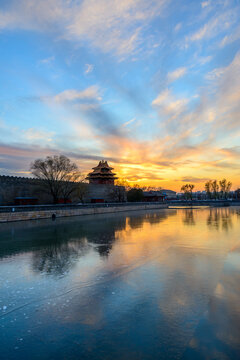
(151, 86)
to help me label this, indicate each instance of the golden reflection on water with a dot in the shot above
(190, 245)
(196, 262)
(179, 266)
(152, 234)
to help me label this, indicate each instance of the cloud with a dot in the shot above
(190, 142)
(28, 135)
(91, 94)
(216, 25)
(204, 59)
(196, 130)
(176, 74)
(177, 27)
(112, 27)
(233, 152)
(36, 134)
(88, 68)
(186, 134)
(85, 110)
(47, 61)
(227, 94)
(193, 179)
(205, 3)
(169, 106)
(129, 122)
(18, 157)
(70, 95)
(229, 39)
(103, 122)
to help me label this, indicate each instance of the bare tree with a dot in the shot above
(59, 175)
(187, 189)
(212, 188)
(71, 185)
(215, 189)
(208, 188)
(81, 190)
(124, 183)
(118, 193)
(225, 187)
(191, 187)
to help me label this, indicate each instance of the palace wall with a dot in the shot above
(107, 192)
(13, 186)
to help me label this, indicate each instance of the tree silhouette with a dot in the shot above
(225, 187)
(187, 189)
(59, 175)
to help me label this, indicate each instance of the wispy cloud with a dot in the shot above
(176, 74)
(190, 141)
(178, 27)
(202, 60)
(228, 39)
(205, 3)
(216, 25)
(193, 179)
(47, 61)
(129, 122)
(70, 95)
(170, 106)
(18, 157)
(186, 126)
(36, 134)
(88, 68)
(113, 27)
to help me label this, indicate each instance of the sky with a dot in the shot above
(151, 86)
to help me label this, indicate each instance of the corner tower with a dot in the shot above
(102, 174)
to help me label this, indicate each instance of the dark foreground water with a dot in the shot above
(146, 285)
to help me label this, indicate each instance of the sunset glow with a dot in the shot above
(151, 86)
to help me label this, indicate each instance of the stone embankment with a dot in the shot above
(16, 213)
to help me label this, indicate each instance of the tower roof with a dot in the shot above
(102, 165)
(102, 171)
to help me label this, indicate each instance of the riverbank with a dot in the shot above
(21, 213)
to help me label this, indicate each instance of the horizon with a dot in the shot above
(150, 86)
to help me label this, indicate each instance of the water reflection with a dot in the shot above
(217, 219)
(127, 286)
(59, 257)
(217, 335)
(220, 218)
(57, 246)
(189, 217)
(151, 218)
(73, 241)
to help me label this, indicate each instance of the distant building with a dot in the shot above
(102, 174)
(169, 194)
(153, 196)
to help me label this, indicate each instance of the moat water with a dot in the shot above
(140, 285)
